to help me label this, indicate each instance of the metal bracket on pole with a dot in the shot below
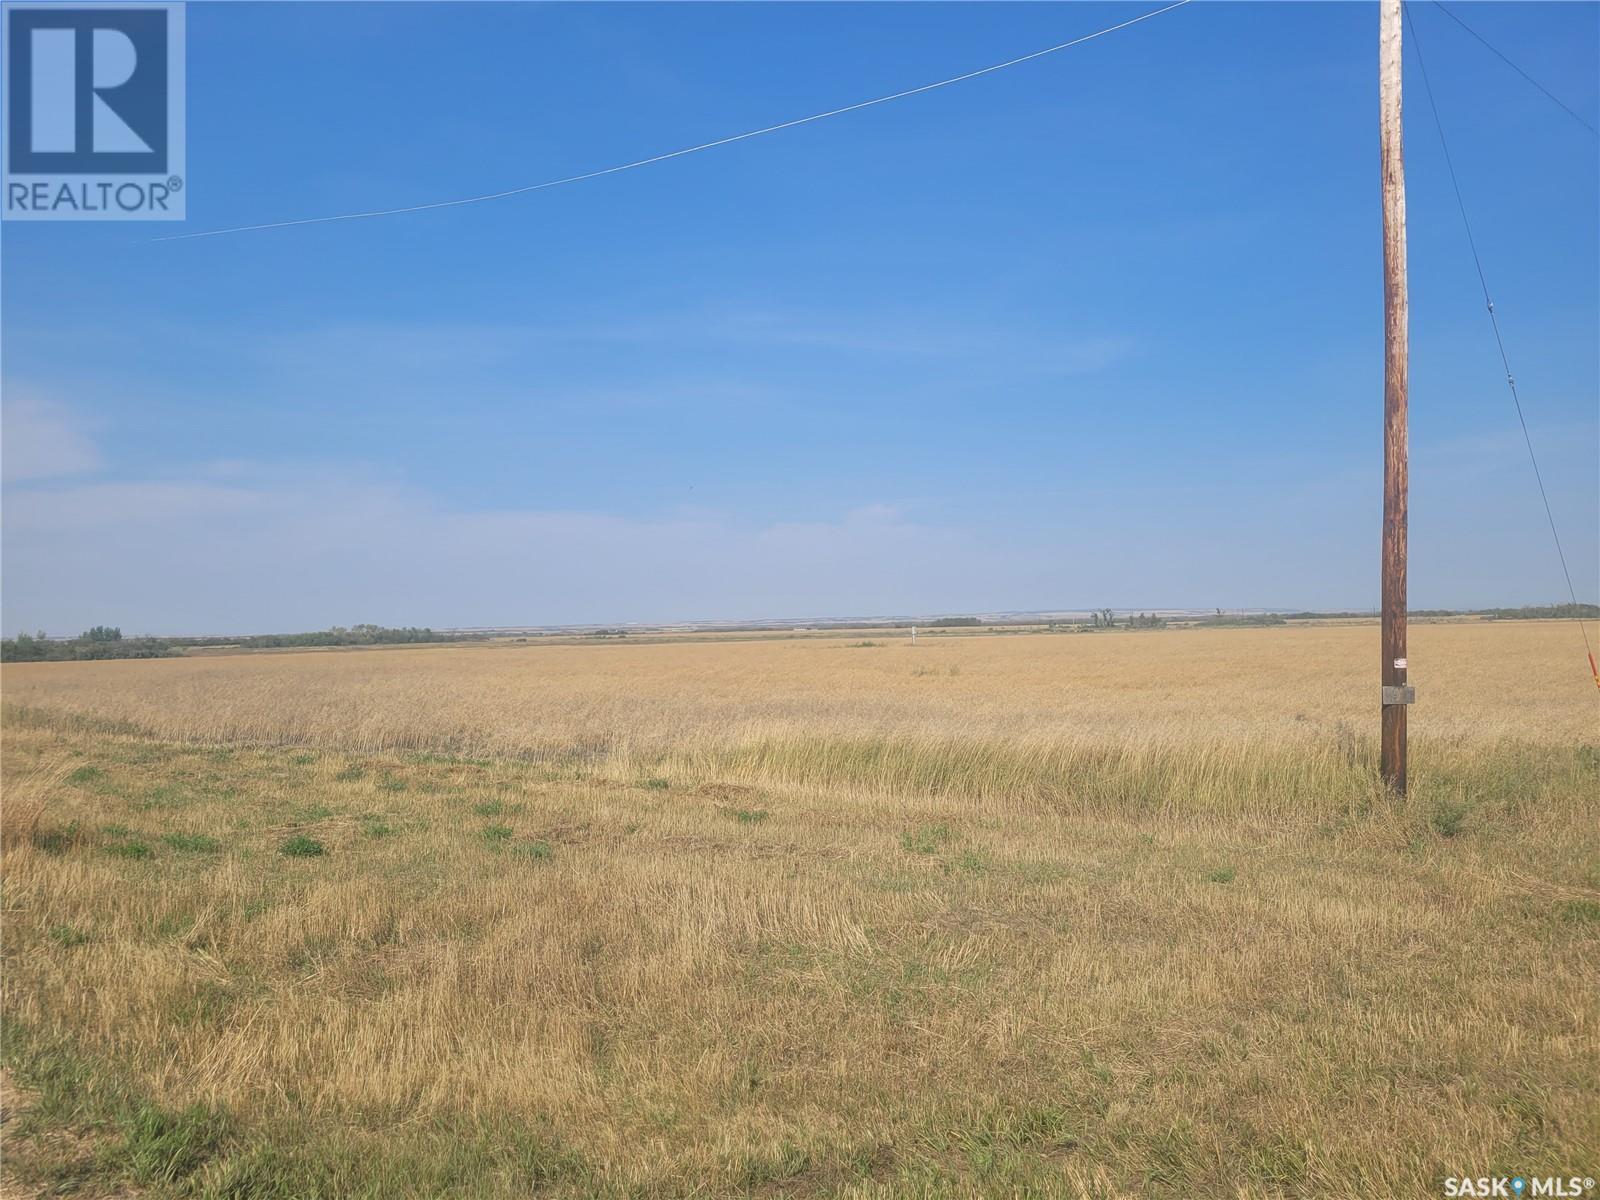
(1402, 694)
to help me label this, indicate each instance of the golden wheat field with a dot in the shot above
(1111, 915)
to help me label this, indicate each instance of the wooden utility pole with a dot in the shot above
(1395, 693)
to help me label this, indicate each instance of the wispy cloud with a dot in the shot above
(41, 440)
(239, 556)
(250, 545)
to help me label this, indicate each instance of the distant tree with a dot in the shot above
(339, 635)
(24, 648)
(1539, 612)
(97, 643)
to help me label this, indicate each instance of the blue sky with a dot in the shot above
(1102, 329)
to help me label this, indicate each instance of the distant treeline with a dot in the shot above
(103, 641)
(355, 635)
(1104, 618)
(1528, 612)
(106, 641)
(1540, 612)
(1220, 620)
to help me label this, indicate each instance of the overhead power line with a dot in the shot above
(1505, 361)
(656, 158)
(1560, 103)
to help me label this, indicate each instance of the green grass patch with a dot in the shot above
(165, 1147)
(162, 796)
(926, 839)
(1581, 910)
(301, 846)
(496, 808)
(192, 843)
(90, 1132)
(67, 936)
(972, 862)
(1449, 817)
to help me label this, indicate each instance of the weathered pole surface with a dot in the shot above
(1395, 694)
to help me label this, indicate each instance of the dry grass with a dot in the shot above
(1228, 687)
(1104, 915)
